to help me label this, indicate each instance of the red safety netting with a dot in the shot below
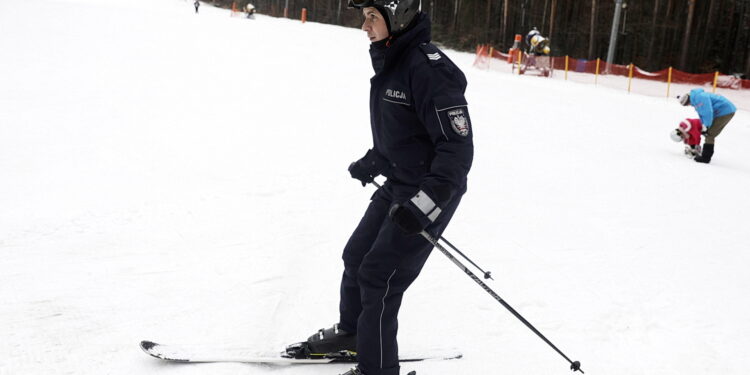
(590, 66)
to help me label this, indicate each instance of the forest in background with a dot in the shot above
(695, 36)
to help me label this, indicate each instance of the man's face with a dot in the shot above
(374, 25)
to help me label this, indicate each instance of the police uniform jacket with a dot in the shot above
(421, 129)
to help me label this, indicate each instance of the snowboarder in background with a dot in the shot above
(689, 132)
(715, 112)
(197, 4)
(422, 144)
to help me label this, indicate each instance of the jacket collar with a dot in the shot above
(387, 53)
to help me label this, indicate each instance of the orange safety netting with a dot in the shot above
(586, 66)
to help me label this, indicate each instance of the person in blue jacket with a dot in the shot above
(715, 112)
(422, 144)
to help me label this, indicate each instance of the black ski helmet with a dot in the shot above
(398, 14)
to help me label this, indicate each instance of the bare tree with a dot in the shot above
(552, 19)
(652, 40)
(686, 38)
(504, 34)
(592, 31)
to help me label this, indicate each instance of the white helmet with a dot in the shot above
(684, 99)
(676, 135)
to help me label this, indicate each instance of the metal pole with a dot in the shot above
(574, 365)
(613, 35)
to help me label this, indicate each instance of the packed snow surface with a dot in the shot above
(181, 178)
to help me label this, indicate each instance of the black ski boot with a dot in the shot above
(330, 340)
(705, 156)
(324, 342)
(355, 371)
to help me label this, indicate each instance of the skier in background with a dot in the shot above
(250, 10)
(422, 144)
(715, 112)
(197, 4)
(689, 132)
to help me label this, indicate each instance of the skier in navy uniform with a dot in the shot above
(422, 144)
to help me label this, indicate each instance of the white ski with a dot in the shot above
(203, 354)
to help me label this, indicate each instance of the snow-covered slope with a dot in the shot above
(182, 178)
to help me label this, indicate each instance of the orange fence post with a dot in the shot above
(630, 77)
(490, 60)
(519, 61)
(286, 12)
(669, 80)
(514, 48)
(304, 15)
(596, 75)
(566, 67)
(716, 80)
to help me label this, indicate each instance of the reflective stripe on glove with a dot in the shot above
(414, 215)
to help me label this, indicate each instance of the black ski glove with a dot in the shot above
(414, 215)
(367, 168)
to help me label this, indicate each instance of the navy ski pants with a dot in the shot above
(380, 263)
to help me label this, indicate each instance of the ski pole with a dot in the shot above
(574, 365)
(487, 274)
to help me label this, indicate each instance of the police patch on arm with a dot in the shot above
(453, 116)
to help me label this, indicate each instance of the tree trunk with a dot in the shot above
(747, 50)
(686, 38)
(455, 15)
(652, 41)
(741, 38)
(504, 26)
(726, 52)
(709, 38)
(592, 31)
(663, 37)
(487, 20)
(552, 19)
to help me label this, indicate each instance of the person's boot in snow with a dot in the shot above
(705, 156)
(355, 371)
